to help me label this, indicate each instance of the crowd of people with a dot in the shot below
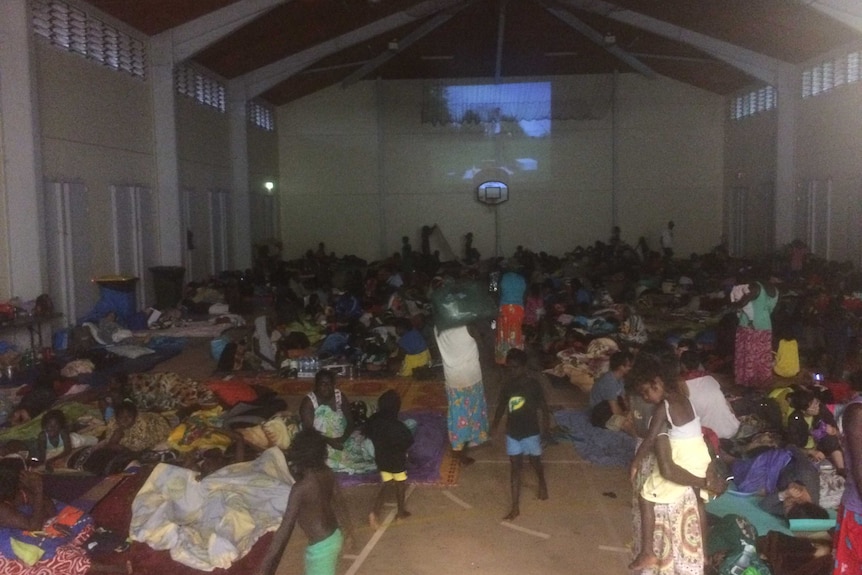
(784, 318)
(695, 400)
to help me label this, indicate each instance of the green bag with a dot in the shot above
(461, 303)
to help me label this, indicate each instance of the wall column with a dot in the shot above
(785, 165)
(22, 266)
(165, 151)
(240, 199)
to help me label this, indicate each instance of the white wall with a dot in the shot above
(359, 170)
(828, 147)
(96, 129)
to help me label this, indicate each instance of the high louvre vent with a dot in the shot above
(73, 30)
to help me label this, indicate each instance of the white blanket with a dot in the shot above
(211, 523)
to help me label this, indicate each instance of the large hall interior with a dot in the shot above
(205, 203)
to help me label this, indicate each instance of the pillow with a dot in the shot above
(232, 392)
(130, 351)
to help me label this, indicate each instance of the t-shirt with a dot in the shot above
(523, 397)
(460, 356)
(391, 440)
(606, 388)
(512, 288)
(711, 406)
(412, 342)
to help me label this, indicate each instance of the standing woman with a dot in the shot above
(510, 320)
(468, 411)
(752, 356)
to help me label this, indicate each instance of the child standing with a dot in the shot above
(682, 454)
(522, 398)
(391, 439)
(316, 502)
(56, 442)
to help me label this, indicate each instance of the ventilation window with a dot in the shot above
(830, 74)
(753, 102)
(261, 116)
(74, 30)
(200, 87)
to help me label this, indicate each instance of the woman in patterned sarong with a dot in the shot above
(752, 357)
(678, 542)
(327, 410)
(510, 320)
(468, 411)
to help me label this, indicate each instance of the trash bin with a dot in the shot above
(116, 294)
(168, 285)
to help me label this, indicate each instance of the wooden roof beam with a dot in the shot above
(260, 80)
(599, 39)
(753, 63)
(403, 43)
(845, 11)
(190, 38)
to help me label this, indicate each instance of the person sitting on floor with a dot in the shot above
(326, 409)
(706, 396)
(607, 396)
(811, 427)
(413, 345)
(135, 431)
(56, 442)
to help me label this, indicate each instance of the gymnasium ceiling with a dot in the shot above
(283, 50)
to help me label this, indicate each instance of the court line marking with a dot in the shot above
(538, 534)
(456, 499)
(369, 547)
(614, 549)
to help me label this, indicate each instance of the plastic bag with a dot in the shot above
(461, 303)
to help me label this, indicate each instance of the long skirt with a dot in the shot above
(677, 539)
(752, 357)
(468, 416)
(509, 330)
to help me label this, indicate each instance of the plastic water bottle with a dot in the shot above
(744, 560)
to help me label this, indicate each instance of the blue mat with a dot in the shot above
(595, 444)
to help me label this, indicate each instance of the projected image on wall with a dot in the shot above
(502, 129)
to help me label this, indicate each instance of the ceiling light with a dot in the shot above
(393, 45)
(269, 186)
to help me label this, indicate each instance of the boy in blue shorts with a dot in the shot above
(522, 399)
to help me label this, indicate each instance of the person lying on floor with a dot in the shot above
(787, 478)
(57, 542)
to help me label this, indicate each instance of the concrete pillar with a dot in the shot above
(165, 151)
(240, 197)
(785, 169)
(21, 185)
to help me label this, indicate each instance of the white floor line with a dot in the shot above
(603, 506)
(614, 549)
(369, 547)
(538, 534)
(456, 499)
(544, 461)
